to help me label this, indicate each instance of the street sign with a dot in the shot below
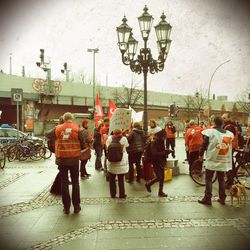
(16, 96)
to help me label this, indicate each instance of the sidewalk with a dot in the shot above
(32, 218)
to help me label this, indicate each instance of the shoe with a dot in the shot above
(205, 202)
(66, 211)
(88, 175)
(77, 210)
(148, 187)
(113, 196)
(123, 196)
(130, 181)
(138, 180)
(162, 194)
(222, 202)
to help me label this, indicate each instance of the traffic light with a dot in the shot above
(42, 56)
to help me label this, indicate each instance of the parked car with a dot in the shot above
(10, 135)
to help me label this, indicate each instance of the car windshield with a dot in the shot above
(11, 133)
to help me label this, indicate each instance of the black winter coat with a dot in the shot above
(158, 151)
(136, 140)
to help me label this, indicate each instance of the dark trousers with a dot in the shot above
(98, 159)
(74, 175)
(83, 170)
(170, 142)
(159, 172)
(208, 190)
(193, 156)
(231, 173)
(112, 185)
(134, 158)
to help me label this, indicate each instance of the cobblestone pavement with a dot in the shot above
(142, 221)
(241, 224)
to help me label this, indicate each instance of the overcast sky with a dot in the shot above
(205, 34)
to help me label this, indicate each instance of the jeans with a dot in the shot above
(159, 172)
(171, 142)
(134, 158)
(208, 190)
(98, 160)
(112, 185)
(74, 175)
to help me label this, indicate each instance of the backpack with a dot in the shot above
(147, 153)
(114, 153)
(114, 149)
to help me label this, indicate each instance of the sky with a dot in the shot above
(205, 33)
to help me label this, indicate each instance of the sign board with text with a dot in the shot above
(121, 119)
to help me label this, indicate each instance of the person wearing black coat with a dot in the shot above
(136, 140)
(159, 155)
(98, 146)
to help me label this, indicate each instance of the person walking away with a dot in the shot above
(231, 126)
(69, 142)
(117, 164)
(98, 146)
(170, 142)
(88, 140)
(193, 141)
(218, 146)
(158, 159)
(136, 140)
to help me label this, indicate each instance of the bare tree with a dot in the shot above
(188, 105)
(244, 100)
(200, 101)
(128, 96)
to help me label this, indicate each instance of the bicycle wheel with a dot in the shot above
(243, 174)
(2, 159)
(198, 173)
(35, 153)
(46, 153)
(11, 153)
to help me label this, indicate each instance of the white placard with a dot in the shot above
(121, 119)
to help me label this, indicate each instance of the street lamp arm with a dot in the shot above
(213, 76)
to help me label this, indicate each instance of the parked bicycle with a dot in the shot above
(241, 172)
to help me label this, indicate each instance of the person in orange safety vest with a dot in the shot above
(193, 141)
(170, 131)
(69, 142)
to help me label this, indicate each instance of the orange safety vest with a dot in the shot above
(235, 142)
(248, 131)
(67, 141)
(194, 138)
(169, 132)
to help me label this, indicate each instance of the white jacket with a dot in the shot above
(219, 151)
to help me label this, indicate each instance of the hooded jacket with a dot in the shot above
(159, 153)
(136, 140)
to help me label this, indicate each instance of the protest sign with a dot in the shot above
(121, 119)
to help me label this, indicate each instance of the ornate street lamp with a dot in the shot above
(144, 62)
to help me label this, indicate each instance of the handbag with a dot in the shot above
(85, 154)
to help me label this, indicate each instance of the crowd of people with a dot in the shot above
(119, 154)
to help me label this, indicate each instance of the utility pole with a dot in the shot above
(94, 51)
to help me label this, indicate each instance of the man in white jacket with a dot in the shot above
(217, 143)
